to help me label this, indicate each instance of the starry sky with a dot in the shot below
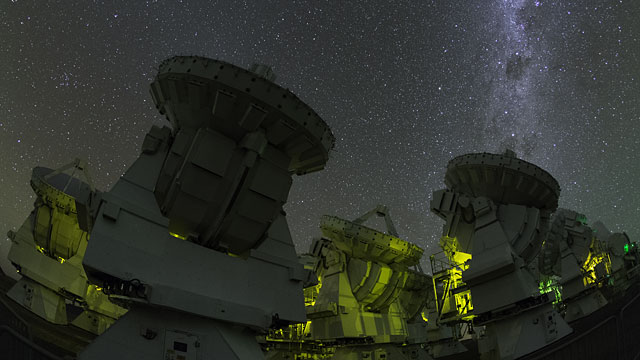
(404, 85)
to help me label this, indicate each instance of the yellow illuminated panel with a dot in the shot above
(43, 251)
(463, 302)
(424, 316)
(454, 253)
(311, 293)
(460, 259)
(452, 305)
(383, 280)
(596, 257)
(177, 236)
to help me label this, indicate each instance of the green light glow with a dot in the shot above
(582, 219)
(551, 285)
(626, 248)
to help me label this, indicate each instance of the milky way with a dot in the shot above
(405, 86)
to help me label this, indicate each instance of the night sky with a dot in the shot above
(404, 87)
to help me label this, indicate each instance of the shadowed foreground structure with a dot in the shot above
(192, 241)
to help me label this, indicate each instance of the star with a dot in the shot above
(405, 87)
